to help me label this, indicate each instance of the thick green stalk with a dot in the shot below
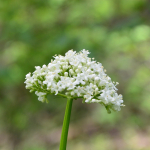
(64, 134)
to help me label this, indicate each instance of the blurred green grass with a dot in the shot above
(116, 32)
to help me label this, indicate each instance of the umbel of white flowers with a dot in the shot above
(75, 75)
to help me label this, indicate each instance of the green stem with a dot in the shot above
(62, 95)
(64, 134)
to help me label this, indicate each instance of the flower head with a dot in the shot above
(76, 76)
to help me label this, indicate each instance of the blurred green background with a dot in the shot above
(116, 32)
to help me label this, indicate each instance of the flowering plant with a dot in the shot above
(73, 76)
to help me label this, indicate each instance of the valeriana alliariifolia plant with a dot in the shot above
(74, 76)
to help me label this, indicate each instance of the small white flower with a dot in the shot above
(88, 98)
(41, 96)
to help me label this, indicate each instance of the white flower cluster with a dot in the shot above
(74, 76)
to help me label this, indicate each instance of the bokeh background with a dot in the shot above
(116, 32)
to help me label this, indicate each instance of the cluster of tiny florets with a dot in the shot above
(77, 76)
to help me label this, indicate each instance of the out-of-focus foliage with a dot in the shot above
(117, 33)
